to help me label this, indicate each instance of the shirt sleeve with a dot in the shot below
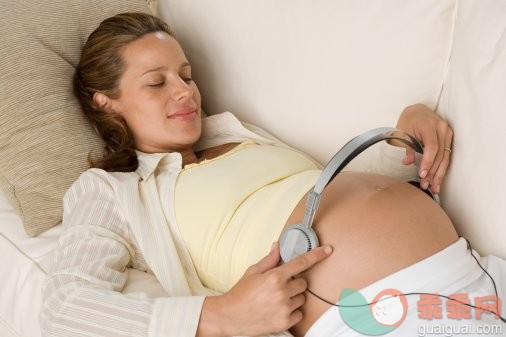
(82, 292)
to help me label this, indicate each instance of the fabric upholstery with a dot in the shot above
(44, 138)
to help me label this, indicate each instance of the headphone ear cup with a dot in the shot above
(296, 240)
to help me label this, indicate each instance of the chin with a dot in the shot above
(191, 138)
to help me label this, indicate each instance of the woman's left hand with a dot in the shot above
(436, 136)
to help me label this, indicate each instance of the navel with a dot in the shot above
(380, 188)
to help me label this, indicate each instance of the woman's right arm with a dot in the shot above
(82, 292)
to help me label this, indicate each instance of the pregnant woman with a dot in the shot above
(200, 204)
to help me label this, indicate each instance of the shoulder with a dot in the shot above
(93, 178)
(92, 209)
(98, 183)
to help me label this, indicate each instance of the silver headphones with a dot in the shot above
(300, 238)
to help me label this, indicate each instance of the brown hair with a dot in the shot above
(100, 70)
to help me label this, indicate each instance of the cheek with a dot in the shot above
(196, 93)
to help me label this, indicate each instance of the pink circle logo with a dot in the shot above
(389, 307)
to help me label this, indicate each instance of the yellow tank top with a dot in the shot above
(230, 209)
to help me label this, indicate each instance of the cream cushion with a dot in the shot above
(44, 139)
(474, 101)
(315, 73)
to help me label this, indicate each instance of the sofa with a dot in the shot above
(314, 74)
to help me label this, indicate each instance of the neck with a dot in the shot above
(189, 157)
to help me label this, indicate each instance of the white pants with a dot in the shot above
(451, 271)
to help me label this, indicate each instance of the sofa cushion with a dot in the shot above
(44, 138)
(315, 73)
(474, 101)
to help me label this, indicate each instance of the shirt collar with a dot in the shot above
(216, 130)
(149, 162)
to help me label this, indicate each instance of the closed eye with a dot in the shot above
(156, 85)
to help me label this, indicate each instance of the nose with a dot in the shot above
(180, 89)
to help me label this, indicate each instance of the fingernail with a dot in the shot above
(425, 184)
(327, 249)
(423, 174)
(436, 190)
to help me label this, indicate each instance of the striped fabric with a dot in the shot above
(119, 220)
(83, 291)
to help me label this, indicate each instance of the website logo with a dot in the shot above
(389, 308)
(383, 314)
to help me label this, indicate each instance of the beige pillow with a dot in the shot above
(44, 138)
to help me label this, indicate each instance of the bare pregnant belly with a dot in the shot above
(376, 225)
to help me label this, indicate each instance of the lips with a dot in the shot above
(183, 114)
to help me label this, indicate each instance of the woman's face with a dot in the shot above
(158, 98)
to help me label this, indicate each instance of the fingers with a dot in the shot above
(295, 291)
(443, 160)
(436, 158)
(296, 315)
(436, 135)
(298, 300)
(296, 286)
(305, 261)
(430, 139)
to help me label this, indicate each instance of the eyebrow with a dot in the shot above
(183, 65)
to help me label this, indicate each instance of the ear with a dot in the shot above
(102, 101)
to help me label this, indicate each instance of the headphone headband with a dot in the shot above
(349, 151)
